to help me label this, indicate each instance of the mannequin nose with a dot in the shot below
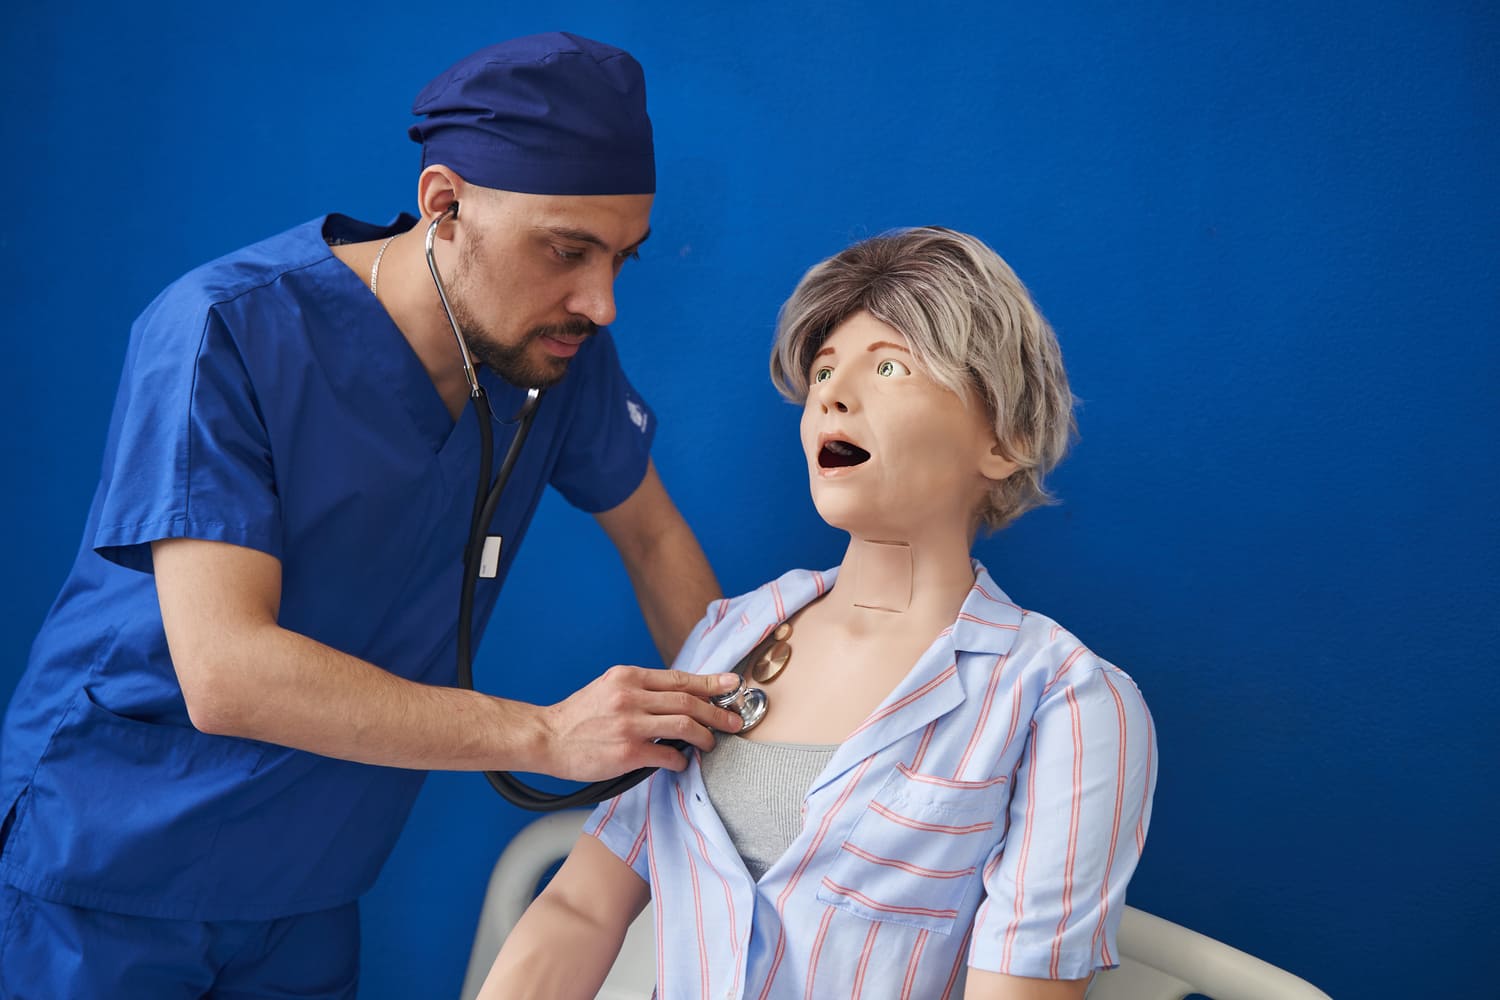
(834, 395)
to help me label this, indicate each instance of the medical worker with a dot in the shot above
(231, 705)
(947, 794)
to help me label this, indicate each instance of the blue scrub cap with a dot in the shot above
(544, 114)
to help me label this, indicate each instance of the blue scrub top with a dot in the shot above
(269, 401)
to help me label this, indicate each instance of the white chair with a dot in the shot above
(539, 846)
(1159, 960)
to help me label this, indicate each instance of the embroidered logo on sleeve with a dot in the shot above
(637, 414)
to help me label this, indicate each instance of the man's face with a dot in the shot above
(891, 454)
(535, 276)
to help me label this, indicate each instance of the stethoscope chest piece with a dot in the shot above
(749, 702)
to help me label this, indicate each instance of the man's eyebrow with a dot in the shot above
(584, 236)
(825, 350)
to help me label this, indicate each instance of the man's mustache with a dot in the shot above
(572, 328)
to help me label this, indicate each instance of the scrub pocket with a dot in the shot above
(916, 850)
(126, 808)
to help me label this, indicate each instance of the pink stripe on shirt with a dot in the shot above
(864, 961)
(916, 695)
(995, 600)
(1027, 827)
(916, 911)
(926, 827)
(698, 923)
(1101, 945)
(807, 858)
(906, 866)
(1072, 858)
(958, 963)
(817, 953)
(609, 813)
(941, 782)
(635, 848)
(984, 715)
(916, 761)
(734, 935)
(1015, 714)
(1140, 824)
(661, 931)
(911, 965)
(1062, 670)
(964, 616)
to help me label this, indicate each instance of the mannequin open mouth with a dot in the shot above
(840, 455)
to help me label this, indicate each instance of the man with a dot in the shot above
(263, 604)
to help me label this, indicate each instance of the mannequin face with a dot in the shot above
(891, 454)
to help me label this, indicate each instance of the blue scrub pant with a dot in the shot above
(49, 951)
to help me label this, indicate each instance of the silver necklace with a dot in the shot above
(375, 268)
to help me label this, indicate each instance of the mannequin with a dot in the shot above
(942, 779)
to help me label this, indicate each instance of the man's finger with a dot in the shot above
(686, 731)
(683, 705)
(702, 685)
(664, 757)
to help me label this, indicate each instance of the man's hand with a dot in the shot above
(611, 726)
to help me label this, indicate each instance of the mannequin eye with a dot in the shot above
(890, 368)
(822, 375)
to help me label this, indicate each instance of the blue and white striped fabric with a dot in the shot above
(989, 813)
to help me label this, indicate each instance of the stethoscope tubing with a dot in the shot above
(486, 503)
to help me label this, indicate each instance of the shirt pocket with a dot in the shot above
(916, 849)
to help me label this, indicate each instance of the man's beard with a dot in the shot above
(515, 362)
(511, 362)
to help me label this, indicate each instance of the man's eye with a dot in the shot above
(822, 375)
(628, 255)
(890, 368)
(567, 255)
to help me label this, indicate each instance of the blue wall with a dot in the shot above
(1266, 236)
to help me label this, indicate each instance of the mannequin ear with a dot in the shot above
(994, 465)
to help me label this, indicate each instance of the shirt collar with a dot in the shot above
(989, 620)
(987, 624)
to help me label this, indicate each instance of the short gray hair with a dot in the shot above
(972, 327)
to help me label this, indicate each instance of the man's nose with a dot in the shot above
(595, 300)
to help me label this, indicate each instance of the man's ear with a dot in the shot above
(437, 188)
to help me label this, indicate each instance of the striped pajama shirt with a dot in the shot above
(989, 813)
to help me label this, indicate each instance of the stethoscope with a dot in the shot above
(482, 559)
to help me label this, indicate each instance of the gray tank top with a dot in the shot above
(757, 790)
